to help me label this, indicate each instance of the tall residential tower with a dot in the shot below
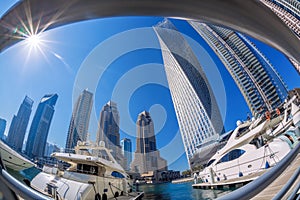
(19, 125)
(108, 131)
(289, 12)
(260, 84)
(80, 119)
(197, 111)
(40, 126)
(146, 157)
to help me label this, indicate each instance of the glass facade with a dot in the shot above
(80, 119)
(18, 126)
(40, 126)
(126, 146)
(2, 128)
(260, 84)
(196, 109)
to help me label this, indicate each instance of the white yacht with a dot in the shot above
(93, 174)
(255, 146)
(13, 159)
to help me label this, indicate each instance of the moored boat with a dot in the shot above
(93, 174)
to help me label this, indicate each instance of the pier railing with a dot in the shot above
(11, 187)
(258, 185)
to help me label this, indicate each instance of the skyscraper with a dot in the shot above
(19, 125)
(2, 127)
(146, 157)
(289, 12)
(40, 126)
(127, 151)
(262, 87)
(197, 112)
(108, 131)
(80, 119)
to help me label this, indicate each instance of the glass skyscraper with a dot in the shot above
(146, 157)
(197, 112)
(2, 128)
(108, 131)
(126, 146)
(18, 126)
(80, 119)
(260, 84)
(289, 12)
(40, 126)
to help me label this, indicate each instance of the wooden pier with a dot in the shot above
(270, 191)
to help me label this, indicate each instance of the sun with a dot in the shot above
(33, 41)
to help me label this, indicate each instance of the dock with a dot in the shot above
(183, 180)
(277, 184)
(231, 183)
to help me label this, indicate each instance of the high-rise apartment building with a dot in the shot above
(80, 120)
(39, 129)
(2, 128)
(147, 156)
(197, 111)
(108, 131)
(260, 84)
(289, 12)
(18, 126)
(126, 147)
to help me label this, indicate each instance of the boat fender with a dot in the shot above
(218, 179)
(27, 182)
(267, 165)
(97, 196)
(104, 196)
(240, 174)
(116, 194)
(122, 193)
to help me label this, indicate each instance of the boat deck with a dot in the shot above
(231, 183)
(131, 196)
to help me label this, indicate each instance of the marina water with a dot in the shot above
(170, 191)
(164, 191)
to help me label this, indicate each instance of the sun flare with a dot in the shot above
(34, 41)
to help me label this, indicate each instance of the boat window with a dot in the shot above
(117, 174)
(87, 169)
(242, 131)
(103, 154)
(232, 155)
(210, 162)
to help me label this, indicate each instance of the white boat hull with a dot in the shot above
(253, 161)
(12, 159)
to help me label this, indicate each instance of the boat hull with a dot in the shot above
(12, 159)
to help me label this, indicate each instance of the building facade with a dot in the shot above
(50, 148)
(126, 147)
(261, 86)
(108, 131)
(39, 129)
(147, 156)
(197, 111)
(2, 128)
(289, 12)
(18, 126)
(80, 120)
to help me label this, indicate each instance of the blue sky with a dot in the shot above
(133, 78)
